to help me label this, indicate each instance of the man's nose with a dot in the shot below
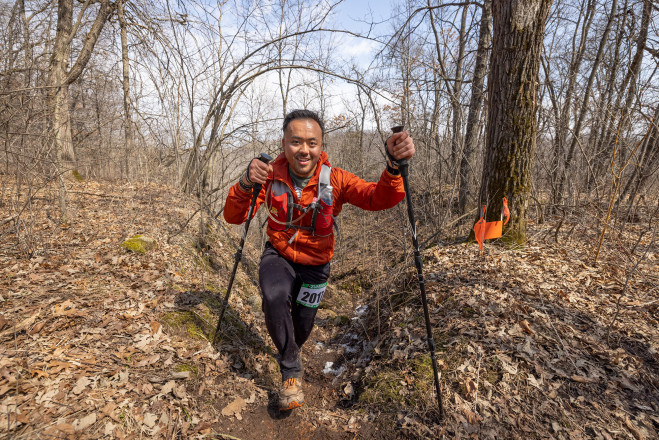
(304, 147)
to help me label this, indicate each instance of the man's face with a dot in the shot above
(302, 145)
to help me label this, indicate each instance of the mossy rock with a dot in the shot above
(77, 176)
(139, 243)
(189, 322)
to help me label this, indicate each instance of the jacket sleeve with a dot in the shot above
(371, 196)
(237, 204)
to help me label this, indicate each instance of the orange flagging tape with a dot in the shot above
(485, 230)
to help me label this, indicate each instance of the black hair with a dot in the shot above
(304, 114)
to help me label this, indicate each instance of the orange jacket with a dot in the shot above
(307, 248)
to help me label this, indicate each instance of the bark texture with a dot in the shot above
(518, 31)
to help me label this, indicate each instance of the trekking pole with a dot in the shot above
(403, 167)
(239, 253)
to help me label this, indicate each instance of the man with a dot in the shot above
(302, 194)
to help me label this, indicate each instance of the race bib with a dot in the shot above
(311, 294)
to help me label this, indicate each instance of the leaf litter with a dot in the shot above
(97, 342)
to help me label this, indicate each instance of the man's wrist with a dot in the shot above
(393, 171)
(245, 184)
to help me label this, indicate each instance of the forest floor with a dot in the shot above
(535, 342)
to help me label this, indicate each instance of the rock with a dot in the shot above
(139, 244)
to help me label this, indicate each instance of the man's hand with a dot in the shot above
(258, 171)
(401, 146)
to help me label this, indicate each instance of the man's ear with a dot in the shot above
(283, 142)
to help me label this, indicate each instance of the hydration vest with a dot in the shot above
(280, 203)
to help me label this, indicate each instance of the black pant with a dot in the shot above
(289, 323)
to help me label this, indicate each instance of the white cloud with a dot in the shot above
(358, 47)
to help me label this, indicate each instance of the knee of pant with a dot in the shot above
(275, 296)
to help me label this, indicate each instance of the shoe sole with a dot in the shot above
(291, 406)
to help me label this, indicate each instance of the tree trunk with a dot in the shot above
(565, 111)
(584, 105)
(60, 79)
(60, 97)
(647, 163)
(128, 123)
(518, 32)
(475, 104)
(456, 106)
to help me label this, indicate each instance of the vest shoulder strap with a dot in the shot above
(324, 178)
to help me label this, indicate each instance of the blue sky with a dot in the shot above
(354, 11)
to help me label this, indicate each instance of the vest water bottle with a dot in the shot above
(324, 220)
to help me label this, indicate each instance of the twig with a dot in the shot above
(109, 196)
(185, 225)
(624, 288)
(542, 300)
(423, 245)
(7, 220)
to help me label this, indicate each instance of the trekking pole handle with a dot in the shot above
(266, 159)
(402, 163)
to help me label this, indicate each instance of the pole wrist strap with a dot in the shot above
(392, 165)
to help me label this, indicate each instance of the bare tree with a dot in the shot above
(61, 77)
(128, 123)
(518, 32)
(474, 123)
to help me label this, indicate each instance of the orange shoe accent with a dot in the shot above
(291, 395)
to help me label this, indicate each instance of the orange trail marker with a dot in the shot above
(485, 230)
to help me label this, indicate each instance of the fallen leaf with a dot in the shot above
(108, 410)
(471, 416)
(526, 327)
(67, 308)
(39, 373)
(510, 368)
(85, 422)
(37, 328)
(582, 379)
(148, 361)
(109, 428)
(179, 391)
(634, 430)
(150, 420)
(234, 408)
(156, 328)
(168, 387)
(57, 366)
(66, 428)
(81, 384)
(534, 382)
